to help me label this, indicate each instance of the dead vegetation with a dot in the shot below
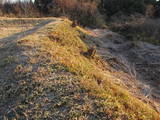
(46, 76)
(19, 9)
(85, 13)
(9, 27)
(138, 29)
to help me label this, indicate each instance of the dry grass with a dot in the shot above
(139, 29)
(7, 31)
(83, 12)
(9, 27)
(19, 9)
(53, 75)
(65, 47)
(94, 77)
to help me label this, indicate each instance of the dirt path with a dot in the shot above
(25, 33)
(139, 59)
(7, 46)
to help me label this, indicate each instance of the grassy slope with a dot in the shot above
(144, 29)
(50, 78)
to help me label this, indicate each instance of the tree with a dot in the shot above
(157, 9)
(42, 5)
(150, 1)
(125, 6)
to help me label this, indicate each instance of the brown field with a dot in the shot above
(46, 72)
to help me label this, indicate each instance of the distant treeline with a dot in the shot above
(85, 12)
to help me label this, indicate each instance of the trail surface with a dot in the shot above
(25, 33)
(9, 48)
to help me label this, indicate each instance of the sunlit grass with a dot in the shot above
(58, 48)
(64, 45)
